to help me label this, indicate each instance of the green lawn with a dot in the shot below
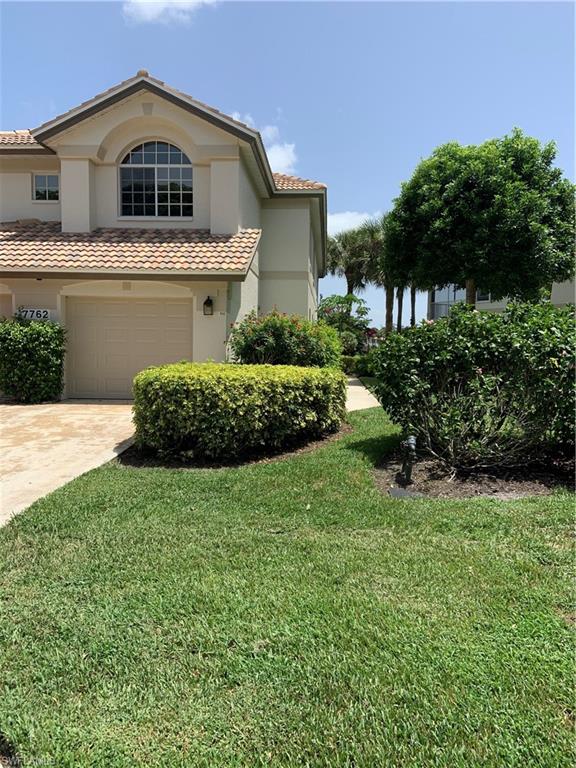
(285, 614)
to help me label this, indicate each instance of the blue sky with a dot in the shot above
(352, 94)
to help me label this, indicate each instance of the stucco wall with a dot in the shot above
(224, 191)
(249, 203)
(285, 252)
(6, 309)
(245, 297)
(16, 189)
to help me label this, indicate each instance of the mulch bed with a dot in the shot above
(431, 478)
(133, 457)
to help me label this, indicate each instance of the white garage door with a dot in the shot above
(110, 340)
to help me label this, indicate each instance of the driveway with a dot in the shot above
(45, 446)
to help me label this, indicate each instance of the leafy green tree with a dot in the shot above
(349, 316)
(498, 215)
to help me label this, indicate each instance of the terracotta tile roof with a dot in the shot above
(283, 181)
(38, 247)
(20, 139)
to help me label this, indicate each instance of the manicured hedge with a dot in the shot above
(225, 411)
(281, 339)
(31, 360)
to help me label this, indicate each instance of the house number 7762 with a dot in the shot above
(34, 314)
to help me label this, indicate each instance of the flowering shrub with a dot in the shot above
(484, 389)
(280, 339)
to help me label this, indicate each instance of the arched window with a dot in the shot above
(156, 180)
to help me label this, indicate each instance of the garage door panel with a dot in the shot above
(177, 310)
(149, 335)
(175, 337)
(111, 341)
(117, 336)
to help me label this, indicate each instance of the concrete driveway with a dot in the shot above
(45, 446)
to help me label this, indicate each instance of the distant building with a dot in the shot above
(441, 299)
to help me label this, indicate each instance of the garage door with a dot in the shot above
(110, 340)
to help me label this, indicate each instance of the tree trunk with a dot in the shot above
(389, 326)
(400, 298)
(349, 286)
(471, 292)
(412, 305)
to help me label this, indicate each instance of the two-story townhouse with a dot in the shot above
(148, 223)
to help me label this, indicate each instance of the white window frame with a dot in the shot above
(121, 165)
(33, 187)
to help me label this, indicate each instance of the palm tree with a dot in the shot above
(373, 235)
(346, 258)
(412, 303)
(400, 298)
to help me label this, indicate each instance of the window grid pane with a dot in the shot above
(46, 187)
(156, 153)
(161, 185)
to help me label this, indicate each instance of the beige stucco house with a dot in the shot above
(147, 223)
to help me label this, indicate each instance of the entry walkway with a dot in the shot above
(358, 397)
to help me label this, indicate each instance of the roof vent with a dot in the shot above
(142, 73)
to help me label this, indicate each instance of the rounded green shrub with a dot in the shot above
(280, 339)
(350, 343)
(32, 360)
(348, 364)
(357, 365)
(481, 389)
(223, 411)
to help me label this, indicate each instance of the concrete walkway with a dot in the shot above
(358, 397)
(45, 446)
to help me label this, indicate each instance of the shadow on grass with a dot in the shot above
(139, 458)
(375, 448)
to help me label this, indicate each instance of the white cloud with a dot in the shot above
(244, 118)
(282, 156)
(163, 11)
(339, 222)
(270, 134)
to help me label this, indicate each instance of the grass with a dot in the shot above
(285, 614)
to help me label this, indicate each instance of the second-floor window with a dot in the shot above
(156, 180)
(46, 187)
